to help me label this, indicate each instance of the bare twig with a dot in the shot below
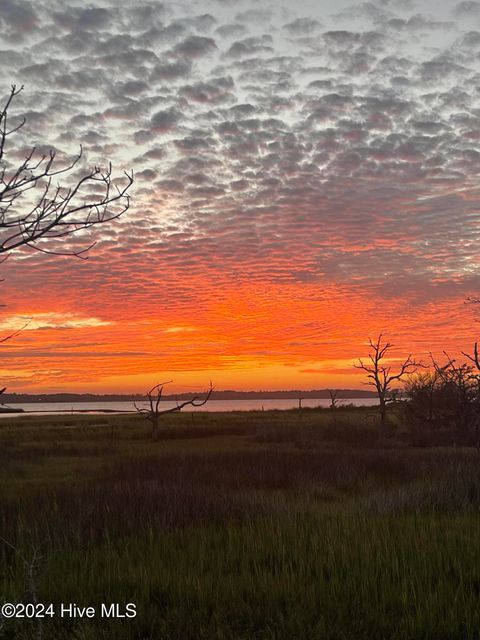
(475, 357)
(333, 393)
(153, 412)
(34, 209)
(381, 376)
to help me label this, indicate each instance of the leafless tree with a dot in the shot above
(333, 393)
(35, 208)
(153, 412)
(380, 375)
(300, 398)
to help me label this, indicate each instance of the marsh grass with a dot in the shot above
(265, 525)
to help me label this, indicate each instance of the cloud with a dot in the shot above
(144, 16)
(467, 9)
(251, 46)
(438, 70)
(367, 10)
(19, 16)
(302, 26)
(341, 38)
(288, 163)
(94, 18)
(195, 47)
(50, 321)
(216, 90)
(164, 121)
(231, 30)
(254, 16)
(202, 23)
(133, 87)
(171, 70)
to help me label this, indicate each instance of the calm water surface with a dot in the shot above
(46, 408)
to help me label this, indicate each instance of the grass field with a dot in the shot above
(259, 525)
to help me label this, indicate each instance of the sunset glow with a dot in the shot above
(305, 178)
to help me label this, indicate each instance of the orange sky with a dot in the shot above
(248, 336)
(306, 177)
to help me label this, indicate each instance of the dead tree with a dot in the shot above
(35, 210)
(333, 393)
(153, 412)
(381, 376)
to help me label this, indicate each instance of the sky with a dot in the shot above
(306, 177)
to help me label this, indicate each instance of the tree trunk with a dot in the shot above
(383, 415)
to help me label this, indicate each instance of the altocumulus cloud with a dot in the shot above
(319, 149)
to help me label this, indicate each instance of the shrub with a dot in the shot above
(445, 400)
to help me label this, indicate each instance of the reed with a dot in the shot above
(231, 536)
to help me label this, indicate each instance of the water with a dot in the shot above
(62, 408)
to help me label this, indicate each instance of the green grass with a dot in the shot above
(258, 525)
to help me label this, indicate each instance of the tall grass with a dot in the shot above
(236, 536)
(310, 575)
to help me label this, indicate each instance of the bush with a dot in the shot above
(445, 401)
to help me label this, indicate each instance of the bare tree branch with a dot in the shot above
(475, 358)
(153, 412)
(16, 332)
(381, 376)
(333, 393)
(34, 209)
